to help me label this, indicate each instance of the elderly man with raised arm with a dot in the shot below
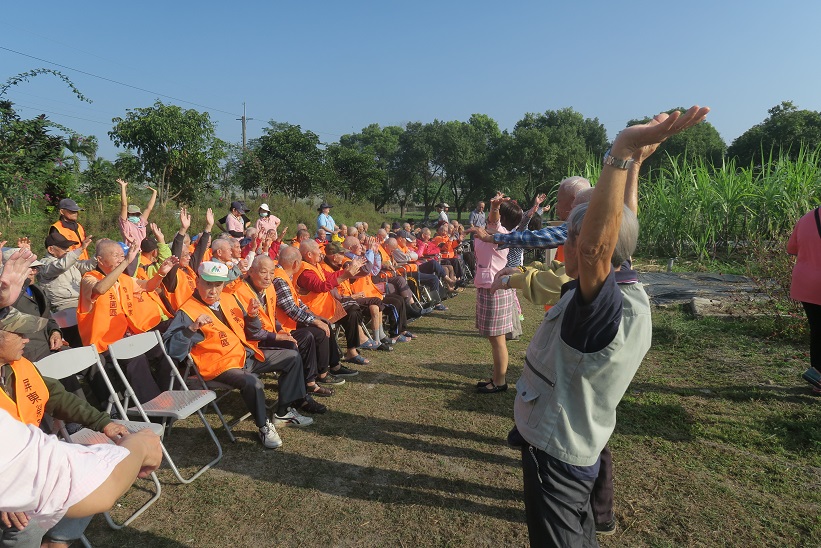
(586, 351)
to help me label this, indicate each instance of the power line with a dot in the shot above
(117, 82)
(37, 109)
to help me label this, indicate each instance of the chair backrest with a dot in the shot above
(68, 362)
(135, 345)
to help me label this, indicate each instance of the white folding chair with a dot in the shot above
(195, 381)
(70, 362)
(171, 404)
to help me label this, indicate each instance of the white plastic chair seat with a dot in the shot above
(86, 436)
(176, 404)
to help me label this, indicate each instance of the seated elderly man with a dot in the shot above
(293, 314)
(398, 284)
(587, 350)
(401, 258)
(208, 329)
(315, 288)
(302, 235)
(430, 252)
(59, 277)
(223, 251)
(181, 281)
(315, 347)
(363, 287)
(113, 304)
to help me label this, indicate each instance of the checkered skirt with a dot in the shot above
(494, 312)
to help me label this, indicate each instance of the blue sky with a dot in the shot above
(335, 67)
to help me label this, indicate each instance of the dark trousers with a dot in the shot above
(246, 380)
(149, 375)
(457, 266)
(814, 317)
(397, 284)
(557, 505)
(350, 323)
(430, 280)
(313, 352)
(398, 316)
(72, 335)
(432, 267)
(601, 499)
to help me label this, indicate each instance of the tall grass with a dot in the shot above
(702, 211)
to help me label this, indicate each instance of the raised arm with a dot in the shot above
(600, 230)
(123, 199)
(150, 206)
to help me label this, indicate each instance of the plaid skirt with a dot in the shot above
(494, 312)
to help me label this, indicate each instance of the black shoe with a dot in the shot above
(310, 405)
(343, 371)
(606, 529)
(386, 340)
(385, 347)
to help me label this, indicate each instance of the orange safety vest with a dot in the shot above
(344, 288)
(244, 293)
(115, 312)
(30, 392)
(321, 304)
(186, 284)
(447, 249)
(221, 350)
(69, 234)
(288, 324)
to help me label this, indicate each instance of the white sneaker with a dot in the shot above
(268, 435)
(292, 418)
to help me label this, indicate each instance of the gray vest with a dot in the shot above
(566, 401)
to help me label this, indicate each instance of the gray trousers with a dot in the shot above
(557, 505)
(66, 530)
(291, 381)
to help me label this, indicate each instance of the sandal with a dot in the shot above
(370, 344)
(320, 391)
(480, 384)
(410, 335)
(491, 388)
(358, 360)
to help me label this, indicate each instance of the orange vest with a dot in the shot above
(288, 324)
(386, 257)
(321, 304)
(447, 249)
(186, 284)
(365, 285)
(221, 350)
(29, 390)
(69, 234)
(116, 312)
(344, 288)
(142, 274)
(244, 293)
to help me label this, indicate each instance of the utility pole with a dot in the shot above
(244, 119)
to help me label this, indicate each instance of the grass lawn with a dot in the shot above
(716, 444)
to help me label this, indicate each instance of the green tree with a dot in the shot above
(357, 175)
(80, 145)
(382, 143)
(285, 159)
(700, 143)
(544, 148)
(175, 149)
(418, 177)
(99, 180)
(781, 133)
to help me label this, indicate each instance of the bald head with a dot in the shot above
(310, 251)
(391, 244)
(568, 189)
(289, 258)
(350, 242)
(262, 261)
(105, 246)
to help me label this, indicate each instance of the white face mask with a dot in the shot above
(134, 219)
(263, 214)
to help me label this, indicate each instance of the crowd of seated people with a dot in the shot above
(239, 303)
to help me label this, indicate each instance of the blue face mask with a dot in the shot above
(135, 220)
(263, 214)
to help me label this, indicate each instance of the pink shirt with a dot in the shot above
(263, 225)
(43, 476)
(805, 242)
(234, 224)
(131, 231)
(489, 258)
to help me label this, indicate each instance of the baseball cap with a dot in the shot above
(264, 207)
(57, 239)
(240, 206)
(132, 209)
(212, 271)
(22, 323)
(69, 204)
(148, 245)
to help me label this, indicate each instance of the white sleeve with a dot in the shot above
(43, 476)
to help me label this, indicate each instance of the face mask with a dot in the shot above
(135, 220)
(263, 214)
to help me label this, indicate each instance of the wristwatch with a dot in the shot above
(618, 163)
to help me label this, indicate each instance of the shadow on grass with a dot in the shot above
(798, 430)
(735, 393)
(385, 486)
(413, 436)
(667, 421)
(99, 534)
